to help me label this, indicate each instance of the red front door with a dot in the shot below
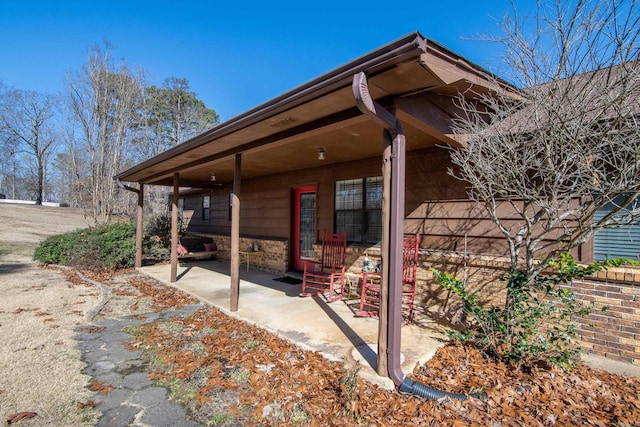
(304, 225)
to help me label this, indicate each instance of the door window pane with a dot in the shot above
(307, 224)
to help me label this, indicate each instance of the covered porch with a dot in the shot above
(351, 127)
(311, 323)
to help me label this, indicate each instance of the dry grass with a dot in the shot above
(40, 369)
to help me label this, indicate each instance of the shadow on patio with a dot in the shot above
(311, 323)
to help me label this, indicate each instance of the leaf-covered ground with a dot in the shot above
(229, 373)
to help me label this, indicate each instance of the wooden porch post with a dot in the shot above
(235, 234)
(383, 315)
(174, 228)
(139, 226)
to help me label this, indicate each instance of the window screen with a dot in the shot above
(206, 208)
(618, 242)
(358, 209)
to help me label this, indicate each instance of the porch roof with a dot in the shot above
(416, 76)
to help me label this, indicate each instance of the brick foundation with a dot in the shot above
(614, 333)
(274, 256)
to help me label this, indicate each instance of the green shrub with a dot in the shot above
(105, 247)
(117, 244)
(55, 249)
(536, 323)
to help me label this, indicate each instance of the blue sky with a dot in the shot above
(236, 55)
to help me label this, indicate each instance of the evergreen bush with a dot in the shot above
(108, 246)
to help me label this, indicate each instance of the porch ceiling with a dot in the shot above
(286, 133)
(351, 139)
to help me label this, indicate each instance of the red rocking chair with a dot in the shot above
(370, 296)
(326, 277)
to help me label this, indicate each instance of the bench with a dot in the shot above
(196, 247)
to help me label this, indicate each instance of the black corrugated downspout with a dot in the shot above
(394, 135)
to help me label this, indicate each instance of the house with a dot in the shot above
(310, 160)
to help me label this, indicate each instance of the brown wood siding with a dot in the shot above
(267, 203)
(264, 210)
(220, 212)
(192, 211)
(436, 205)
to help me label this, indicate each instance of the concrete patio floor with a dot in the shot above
(311, 323)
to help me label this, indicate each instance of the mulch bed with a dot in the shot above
(235, 373)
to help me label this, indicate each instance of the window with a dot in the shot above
(180, 212)
(618, 242)
(358, 209)
(206, 205)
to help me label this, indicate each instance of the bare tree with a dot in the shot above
(544, 159)
(103, 99)
(70, 163)
(9, 149)
(26, 121)
(568, 144)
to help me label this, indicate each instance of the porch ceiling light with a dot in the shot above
(321, 152)
(213, 177)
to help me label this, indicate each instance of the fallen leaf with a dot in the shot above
(307, 381)
(93, 329)
(90, 404)
(14, 418)
(101, 387)
(22, 310)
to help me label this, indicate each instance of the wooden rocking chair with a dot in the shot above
(326, 277)
(370, 296)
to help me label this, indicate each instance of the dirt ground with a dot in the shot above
(40, 369)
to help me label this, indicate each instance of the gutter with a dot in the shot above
(394, 131)
(126, 187)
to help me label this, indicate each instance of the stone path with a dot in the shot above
(135, 401)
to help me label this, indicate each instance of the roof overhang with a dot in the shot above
(285, 133)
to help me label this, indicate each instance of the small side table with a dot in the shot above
(371, 283)
(247, 257)
(352, 286)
